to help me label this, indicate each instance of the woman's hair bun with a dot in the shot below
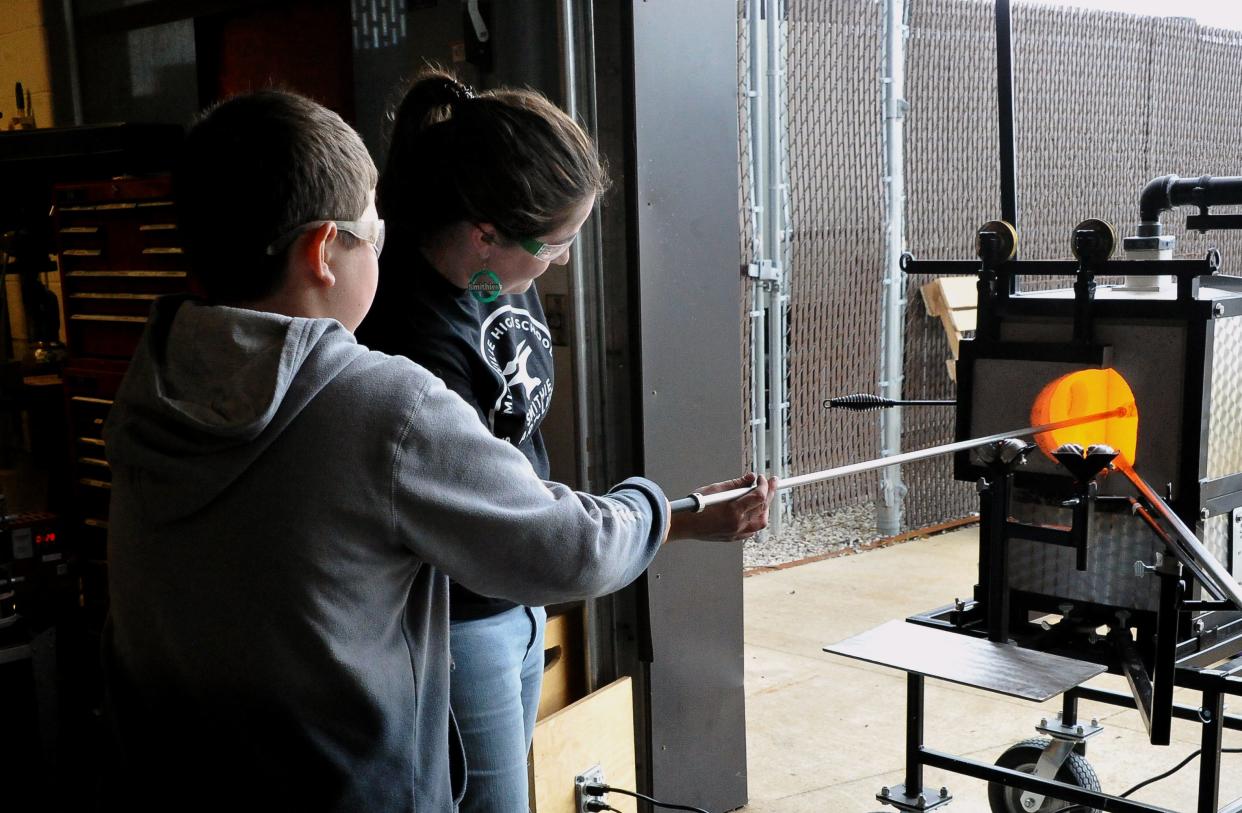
(461, 91)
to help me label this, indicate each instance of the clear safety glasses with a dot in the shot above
(547, 252)
(372, 231)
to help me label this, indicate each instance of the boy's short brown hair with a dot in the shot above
(253, 168)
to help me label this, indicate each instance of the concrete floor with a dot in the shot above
(825, 733)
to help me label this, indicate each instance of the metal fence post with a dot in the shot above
(889, 502)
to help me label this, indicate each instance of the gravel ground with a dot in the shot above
(811, 535)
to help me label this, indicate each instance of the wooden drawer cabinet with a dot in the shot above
(90, 387)
(119, 250)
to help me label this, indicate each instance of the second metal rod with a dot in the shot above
(694, 502)
(1218, 581)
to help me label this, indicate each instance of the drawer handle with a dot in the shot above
(107, 317)
(164, 250)
(86, 399)
(128, 297)
(128, 274)
(158, 227)
(551, 657)
(94, 461)
(82, 252)
(91, 522)
(92, 441)
(80, 230)
(92, 483)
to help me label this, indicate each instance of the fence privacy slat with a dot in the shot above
(1104, 101)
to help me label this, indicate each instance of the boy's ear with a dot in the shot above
(313, 253)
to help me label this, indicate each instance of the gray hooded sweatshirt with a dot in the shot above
(287, 510)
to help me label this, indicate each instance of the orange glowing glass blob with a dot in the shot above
(1084, 393)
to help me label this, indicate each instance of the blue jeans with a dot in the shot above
(494, 690)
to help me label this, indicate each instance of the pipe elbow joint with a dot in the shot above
(1156, 198)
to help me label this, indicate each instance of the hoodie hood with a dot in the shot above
(208, 390)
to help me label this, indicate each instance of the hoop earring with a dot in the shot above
(484, 285)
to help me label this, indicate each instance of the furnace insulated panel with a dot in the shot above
(1183, 362)
(1224, 433)
(1115, 543)
(1225, 418)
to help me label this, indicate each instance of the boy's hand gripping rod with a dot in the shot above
(697, 502)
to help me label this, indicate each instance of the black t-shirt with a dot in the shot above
(496, 355)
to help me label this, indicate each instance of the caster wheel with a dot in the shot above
(1024, 757)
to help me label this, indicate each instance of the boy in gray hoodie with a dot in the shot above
(288, 506)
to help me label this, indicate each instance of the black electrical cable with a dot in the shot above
(1175, 769)
(599, 790)
(1155, 779)
(596, 805)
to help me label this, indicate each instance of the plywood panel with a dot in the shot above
(596, 730)
(17, 15)
(564, 651)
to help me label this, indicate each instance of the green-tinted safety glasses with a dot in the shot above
(547, 252)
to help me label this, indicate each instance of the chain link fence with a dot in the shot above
(1104, 101)
(746, 223)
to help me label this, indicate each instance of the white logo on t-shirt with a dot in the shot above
(515, 371)
(513, 357)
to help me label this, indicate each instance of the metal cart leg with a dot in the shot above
(1212, 716)
(1069, 708)
(914, 734)
(912, 796)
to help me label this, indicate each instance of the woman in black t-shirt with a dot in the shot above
(480, 194)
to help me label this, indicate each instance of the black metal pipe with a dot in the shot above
(993, 509)
(1035, 784)
(1168, 191)
(1209, 758)
(1155, 199)
(1180, 711)
(1004, 99)
(1185, 268)
(914, 734)
(1069, 709)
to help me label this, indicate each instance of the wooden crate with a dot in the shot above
(955, 301)
(596, 730)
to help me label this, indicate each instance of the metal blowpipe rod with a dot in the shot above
(697, 502)
(1215, 578)
(864, 402)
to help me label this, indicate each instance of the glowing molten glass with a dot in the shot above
(1084, 393)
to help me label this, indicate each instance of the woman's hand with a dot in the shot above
(728, 521)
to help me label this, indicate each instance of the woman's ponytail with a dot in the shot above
(506, 157)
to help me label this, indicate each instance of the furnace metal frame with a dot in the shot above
(1176, 642)
(1176, 646)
